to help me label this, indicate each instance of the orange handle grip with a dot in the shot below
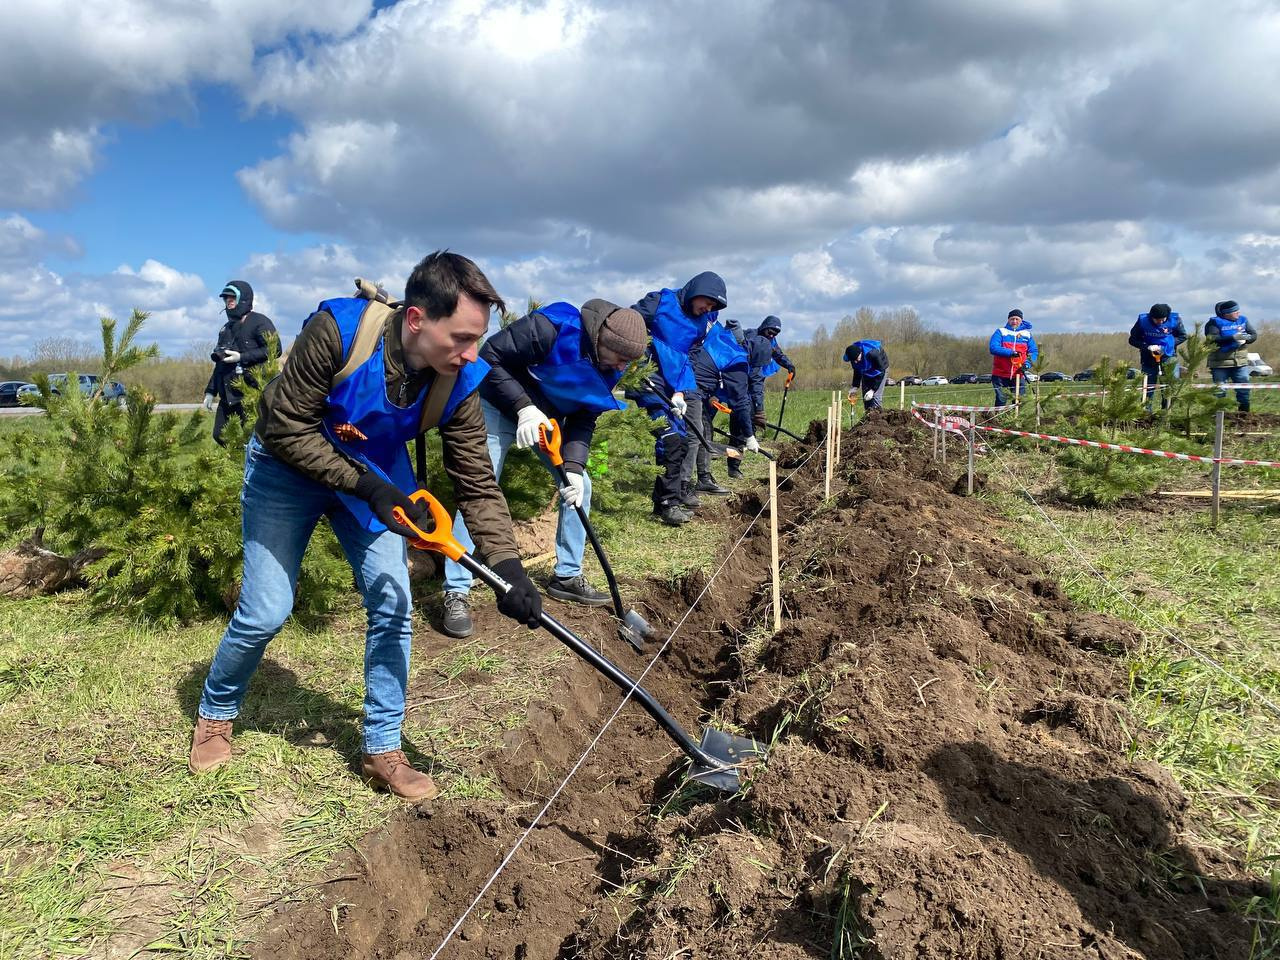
(440, 539)
(791, 375)
(720, 406)
(549, 441)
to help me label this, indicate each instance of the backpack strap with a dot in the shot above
(373, 321)
(437, 397)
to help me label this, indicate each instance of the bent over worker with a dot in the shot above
(555, 362)
(765, 359)
(870, 365)
(676, 321)
(363, 378)
(1157, 334)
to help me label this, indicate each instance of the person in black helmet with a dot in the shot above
(242, 345)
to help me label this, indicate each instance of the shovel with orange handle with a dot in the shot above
(632, 627)
(716, 760)
(786, 388)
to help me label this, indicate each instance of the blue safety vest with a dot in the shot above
(361, 401)
(772, 366)
(674, 334)
(1158, 334)
(723, 348)
(864, 366)
(568, 379)
(1229, 328)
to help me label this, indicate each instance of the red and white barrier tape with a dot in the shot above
(952, 425)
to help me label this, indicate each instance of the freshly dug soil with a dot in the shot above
(946, 774)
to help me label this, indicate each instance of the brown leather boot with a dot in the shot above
(391, 771)
(210, 745)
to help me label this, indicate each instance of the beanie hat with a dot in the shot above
(1014, 313)
(1159, 311)
(1225, 307)
(624, 333)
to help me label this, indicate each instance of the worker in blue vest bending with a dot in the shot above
(870, 366)
(364, 377)
(563, 363)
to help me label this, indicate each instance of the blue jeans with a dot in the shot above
(876, 402)
(1002, 384)
(280, 509)
(1232, 375)
(571, 535)
(1154, 372)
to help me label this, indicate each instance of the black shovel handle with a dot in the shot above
(604, 666)
(666, 405)
(764, 453)
(782, 410)
(563, 475)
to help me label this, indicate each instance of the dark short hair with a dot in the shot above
(440, 277)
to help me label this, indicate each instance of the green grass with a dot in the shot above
(105, 832)
(1219, 591)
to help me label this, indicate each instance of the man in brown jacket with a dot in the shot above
(363, 378)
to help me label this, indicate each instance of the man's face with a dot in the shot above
(1015, 323)
(448, 344)
(609, 360)
(1232, 314)
(701, 305)
(229, 301)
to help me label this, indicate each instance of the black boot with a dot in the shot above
(576, 590)
(735, 468)
(707, 484)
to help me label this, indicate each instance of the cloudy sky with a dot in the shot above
(1078, 159)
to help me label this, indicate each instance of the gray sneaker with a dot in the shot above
(456, 620)
(576, 590)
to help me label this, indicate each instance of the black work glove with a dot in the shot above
(383, 497)
(522, 602)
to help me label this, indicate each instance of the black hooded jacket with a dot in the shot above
(706, 284)
(245, 332)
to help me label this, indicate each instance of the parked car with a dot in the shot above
(982, 378)
(1054, 376)
(965, 378)
(1257, 366)
(890, 382)
(27, 390)
(1083, 375)
(9, 392)
(1131, 373)
(912, 381)
(1032, 377)
(112, 390)
(934, 382)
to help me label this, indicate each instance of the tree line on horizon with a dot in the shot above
(915, 349)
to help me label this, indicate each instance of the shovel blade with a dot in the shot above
(729, 750)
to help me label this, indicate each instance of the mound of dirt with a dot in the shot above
(946, 778)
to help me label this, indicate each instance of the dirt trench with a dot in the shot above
(947, 774)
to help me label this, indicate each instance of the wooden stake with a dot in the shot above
(1216, 482)
(773, 545)
(902, 395)
(826, 494)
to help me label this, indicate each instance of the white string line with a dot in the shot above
(1256, 694)
(608, 723)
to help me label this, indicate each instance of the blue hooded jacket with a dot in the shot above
(675, 332)
(1006, 343)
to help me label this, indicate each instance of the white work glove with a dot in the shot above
(752, 444)
(1240, 337)
(209, 401)
(529, 419)
(678, 406)
(574, 491)
(1155, 349)
(853, 395)
(230, 356)
(869, 396)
